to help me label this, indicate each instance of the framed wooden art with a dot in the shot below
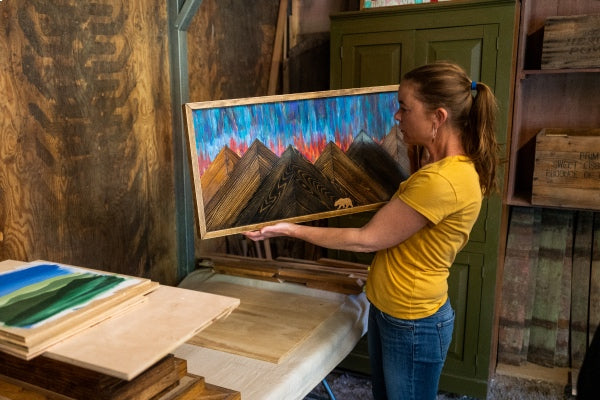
(297, 158)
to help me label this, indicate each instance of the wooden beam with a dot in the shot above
(188, 10)
(179, 15)
(277, 58)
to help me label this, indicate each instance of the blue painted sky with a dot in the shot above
(17, 279)
(307, 125)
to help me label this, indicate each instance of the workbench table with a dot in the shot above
(300, 371)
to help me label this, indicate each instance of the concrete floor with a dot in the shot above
(350, 386)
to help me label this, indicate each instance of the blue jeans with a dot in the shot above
(407, 356)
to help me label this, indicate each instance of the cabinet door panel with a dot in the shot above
(473, 47)
(375, 59)
(479, 229)
(465, 295)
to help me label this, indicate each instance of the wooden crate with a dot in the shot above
(567, 168)
(571, 42)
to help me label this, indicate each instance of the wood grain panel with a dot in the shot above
(86, 177)
(230, 47)
(267, 325)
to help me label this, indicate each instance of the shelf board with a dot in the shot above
(527, 72)
(519, 200)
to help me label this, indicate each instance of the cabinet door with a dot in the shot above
(373, 59)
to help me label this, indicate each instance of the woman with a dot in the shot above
(418, 233)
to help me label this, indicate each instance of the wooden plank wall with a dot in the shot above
(85, 136)
(551, 287)
(229, 49)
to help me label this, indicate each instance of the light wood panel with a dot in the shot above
(268, 325)
(128, 344)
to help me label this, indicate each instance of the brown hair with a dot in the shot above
(446, 85)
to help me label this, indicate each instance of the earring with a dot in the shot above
(434, 133)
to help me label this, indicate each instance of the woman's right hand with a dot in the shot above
(279, 229)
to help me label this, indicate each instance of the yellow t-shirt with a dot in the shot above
(409, 281)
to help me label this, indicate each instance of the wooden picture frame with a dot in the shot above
(366, 4)
(297, 158)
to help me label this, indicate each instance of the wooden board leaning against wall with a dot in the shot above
(86, 172)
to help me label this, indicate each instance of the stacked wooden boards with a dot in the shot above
(130, 340)
(326, 274)
(43, 378)
(551, 289)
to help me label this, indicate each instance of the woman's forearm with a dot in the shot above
(349, 239)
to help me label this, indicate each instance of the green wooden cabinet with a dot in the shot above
(376, 47)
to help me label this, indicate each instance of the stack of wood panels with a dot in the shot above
(43, 303)
(127, 339)
(44, 378)
(326, 274)
(551, 289)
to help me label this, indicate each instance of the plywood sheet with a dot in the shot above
(41, 308)
(268, 325)
(126, 345)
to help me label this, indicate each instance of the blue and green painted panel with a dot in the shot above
(35, 294)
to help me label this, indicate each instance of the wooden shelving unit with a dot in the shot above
(546, 98)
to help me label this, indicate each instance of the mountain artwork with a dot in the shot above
(297, 158)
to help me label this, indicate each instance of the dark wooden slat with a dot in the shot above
(517, 277)
(530, 292)
(594, 318)
(556, 225)
(582, 253)
(311, 274)
(561, 355)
